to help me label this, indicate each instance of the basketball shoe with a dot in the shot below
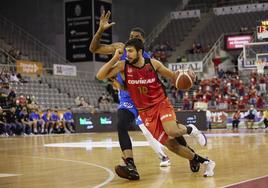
(210, 165)
(194, 165)
(128, 171)
(201, 138)
(165, 162)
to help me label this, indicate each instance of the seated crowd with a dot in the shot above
(161, 51)
(229, 91)
(20, 115)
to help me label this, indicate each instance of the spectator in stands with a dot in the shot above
(11, 98)
(77, 101)
(113, 92)
(194, 99)
(217, 61)
(6, 77)
(260, 102)
(23, 121)
(33, 104)
(14, 78)
(250, 117)
(208, 97)
(11, 127)
(199, 93)
(221, 73)
(2, 122)
(198, 48)
(86, 105)
(16, 53)
(184, 58)
(4, 90)
(236, 119)
(233, 99)
(178, 60)
(241, 88)
(265, 120)
(209, 118)
(252, 95)
(103, 99)
(186, 102)
(83, 103)
(22, 100)
(241, 104)
(227, 102)
(262, 81)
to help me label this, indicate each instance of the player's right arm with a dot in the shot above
(95, 46)
(163, 71)
(112, 67)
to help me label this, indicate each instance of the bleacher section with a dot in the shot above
(176, 30)
(89, 89)
(228, 24)
(14, 37)
(45, 96)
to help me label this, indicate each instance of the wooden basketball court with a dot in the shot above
(88, 160)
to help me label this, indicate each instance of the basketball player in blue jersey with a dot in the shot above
(127, 112)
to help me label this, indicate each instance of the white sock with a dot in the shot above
(157, 147)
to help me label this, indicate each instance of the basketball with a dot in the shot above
(185, 80)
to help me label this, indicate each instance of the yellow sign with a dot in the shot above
(29, 67)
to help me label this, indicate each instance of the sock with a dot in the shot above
(191, 149)
(199, 159)
(189, 129)
(156, 146)
(130, 161)
(181, 140)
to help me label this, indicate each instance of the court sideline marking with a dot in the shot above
(239, 184)
(110, 172)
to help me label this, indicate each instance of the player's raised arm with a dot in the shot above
(95, 46)
(112, 67)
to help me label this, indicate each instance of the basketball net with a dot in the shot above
(260, 66)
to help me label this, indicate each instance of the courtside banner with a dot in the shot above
(29, 67)
(98, 122)
(196, 66)
(197, 118)
(64, 70)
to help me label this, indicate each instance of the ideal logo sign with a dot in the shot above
(196, 66)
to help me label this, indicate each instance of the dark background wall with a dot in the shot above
(143, 13)
(44, 19)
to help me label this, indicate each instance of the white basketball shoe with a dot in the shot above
(201, 138)
(209, 171)
(165, 162)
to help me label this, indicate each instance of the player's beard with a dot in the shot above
(135, 60)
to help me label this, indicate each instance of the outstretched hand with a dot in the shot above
(104, 20)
